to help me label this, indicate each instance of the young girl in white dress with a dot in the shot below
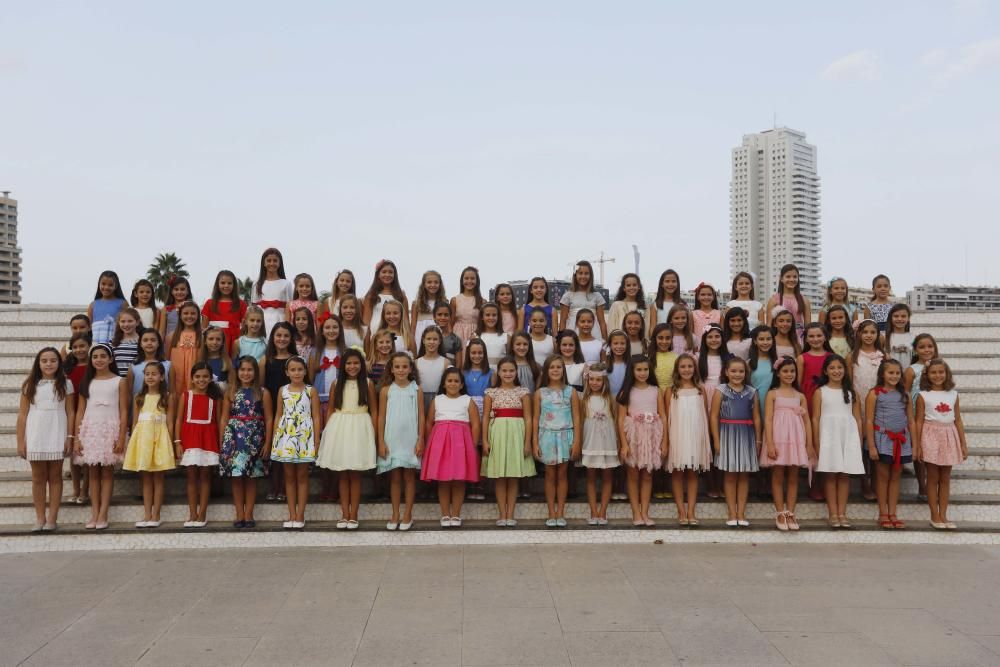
(837, 432)
(600, 455)
(272, 291)
(690, 449)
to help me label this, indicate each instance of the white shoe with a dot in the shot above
(298, 525)
(601, 521)
(501, 523)
(592, 521)
(200, 524)
(287, 524)
(342, 524)
(445, 521)
(455, 522)
(405, 526)
(138, 524)
(511, 523)
(391, 526)
(152, 524)
(352, 525)
(743, 523)
(190, 524)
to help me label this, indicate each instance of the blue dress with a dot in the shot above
(529, 309)
(476, 384)
(737, 441)
(891, 428)
(243, 441)
(761, 380)
(616, 378)
(400, 428)
(251, 347)
(102, 325)
(555, 425)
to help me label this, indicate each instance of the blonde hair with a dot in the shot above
(372, 352)
(695, 379)
(404, 323)
(252, 310)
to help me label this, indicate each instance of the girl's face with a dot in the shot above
(490, 317)
(679, 321)
(632, 325)
(596, 384)
(296, 371)
(100, 359)
(476, 355)
(107, 287)
(79, 350)
(881, 288)
(685, 369)
(49, 364)
(869, 333)
(556, 371)
(255, 323)
(507, 373)
(663, 341)
(190, 316)
(301, 322)
(618, 346)
(835, 371)
(352, 367)
(143, 294)
(272, 263)
(900, 320)
(705, 296)
(537, 322)
(631, 287)
(282, 339)
(149, 344)
(469, 280)
(538, 290)
(641, 371)
(344, 283)
(838, 290)
(303, 288)
(713, 339)
(151, 376)
(783, 323)
(764, 341)
(453, 385)
(505, 296)
(790, 279)
(226, 286)
(737, 373)
(214, 341)
(585, 323)
(432, 284)
(736, 325)
(401, 369)
(743, 287)
(384, 345)
(200, 379)
(936, 374)
(393, 315)
(787, 374)
(442, 318)
(892, 375)
(520, 348)
(925, 350)
(815, 338)
(431, 341)
(246, 374)
(670, 284)
(386, 275)
(127, 324)
(79, 326)
(582, 276)
(838, 320)
(331, 331)
(179, 292)
(567, 347)
(348, 310)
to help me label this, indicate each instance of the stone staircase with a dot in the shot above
(970, 342)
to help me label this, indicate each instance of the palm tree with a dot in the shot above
(245, 288)
(165, 266)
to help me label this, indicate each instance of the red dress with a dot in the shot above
(76, 376)
(228, 318)
(199, 430)
(812, 370)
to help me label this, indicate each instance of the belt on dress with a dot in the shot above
(508, 412)
(898, 439)
(272, 304)
(748, 422)
(644, 417)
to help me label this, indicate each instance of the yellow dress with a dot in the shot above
(149, 447)
(665, 370)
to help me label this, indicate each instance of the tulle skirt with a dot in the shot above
(644, 435)
(98, 439)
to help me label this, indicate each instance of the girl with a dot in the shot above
(642, 436)
(507, 440)
(491, 334)
(149, 447)
(143, 302)
(185, 345)
(690, 451)
(736, 424)
(101, 416)
(573, 362)
(296, 439)
(600, 441)
(380, 348)
(451, 345)
(809, 364)
(125, 342)
(924, 349)
(392, 320)
(762, 359)
(150, 352)
(939, 438)
(430, 365)
(305, 331)
(581, 295)
(888, 425)
(789, 296)
(681, 339)
(103, 310)
(78, 324)
(400, 435)
(710, 360)
(590, 347)
(75, 368)
(213, 353)
(247, 419)
(343, 285)
(707, 311)
(878, 307)
(44, 437)
(196, 441)
(743, 299)
(629, 299)
(272, 291)
(305, 297)
(179, 291)
(385, 287)
(430, 295)
(635, 326)
(864, 362)
(786, 342)
(788, 438)
(541, 342)
(836, 296)
(538, 299)
(450, 457)
(664, 357)
(528, 369)
(355, 332)
(616, 359)
(325, 361)
(839, 333)
(225, 309)
(348, 443)
(836, 423)
(555, 435)
(477, 375)
(253, 341)
(465, 307)
(504, 295)
(668, 295)
(736, 333)
(280, 348)
(897, 343)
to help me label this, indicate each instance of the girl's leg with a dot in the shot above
(607, 485)
(395, 492)
(882, 487)
(147, 495)
(869, 479)
(944, 491)
(830, 482)
(94, 483)
(742, 493)
(409, 493)
(933, 489)
(107, 487)
(512, 484)
(550, 489)
(249, 497)
(501, 491)
(562, 475)
(444, 497)
(303, 491)
(290, 475)
(778, 488)
(239, 497)
(843, 490)
(55, 489)
(39, 479)
(76, 474)
(592, 491)
(157, 495)
(792, 475)
(355, 493)
(920, 470)
(893, 496)
(345, 494)
(677, 486)
(731, 483)
(691, 477)
(192, 492)
(632, 483)
(457, 497)
(204, 490)
(645, 492)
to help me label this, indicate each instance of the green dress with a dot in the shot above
(506, 434)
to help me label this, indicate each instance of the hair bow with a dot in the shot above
(171, 280)
(379, 264)
(329, 363)
(700, 285)
(324, 316)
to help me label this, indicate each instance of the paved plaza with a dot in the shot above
(495, 605)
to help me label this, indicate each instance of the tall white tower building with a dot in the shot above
(774, 210)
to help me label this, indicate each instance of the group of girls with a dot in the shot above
(455, 391)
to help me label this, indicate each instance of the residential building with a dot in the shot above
(10, 252)
(953, 298)
(556, 289)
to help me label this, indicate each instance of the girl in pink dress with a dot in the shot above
(789, 296)
(706, 309)
(788, 440)
(465, 306)
(642, 435)
(711, 355)
(305, 297)
(866, 357)
(940, 437)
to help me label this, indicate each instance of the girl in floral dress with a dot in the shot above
(556, 433)
(642, 435)
(506, 440)
(296, 438)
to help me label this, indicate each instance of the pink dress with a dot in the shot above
(865, 374)
(466, 317)
(450, 454)
(295, 304)
(644, 429)
(791, 304)
(678, 345)
(788, 434)
(508, 322)
(812, 370)
(702, 319)
(939, 439)
(711, 380)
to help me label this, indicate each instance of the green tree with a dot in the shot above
(245, 288)
(165, 266)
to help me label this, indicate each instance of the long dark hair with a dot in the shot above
(141, 357)
(175, 339)
(793, 337)
(212, 390)
(508, 359)
(88, 377)
(478, 296)
(848, 329)
(30, 385)
(134, 297)
(310, 333)
(577, 352)
(161, 388)
(675, 298)
(262, 274)
(880, 381)
(387, 377)
(451, 370)
(467, 358)
(798, 288)
(742, 274)
(629, 382)
(271, 351)
(343, 379)
(237, 305)
(703, 351)
(395, 288)
(116, 340)
(846, 385)
(916, 341)
(545, 282)
(529, 357)
(826, 339)
(171, 284)
(640, 297)
(727, 330)
(772, 354)
(119, 294)
(71, 361)
(574, 286)
(776, 373)
(255, 388)
(888, 323)
(688, 333)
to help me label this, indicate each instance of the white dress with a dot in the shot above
(377, 311)
(751, 308)
(352, 339)
(496, 347)
(591, 350)
(839, 442)
(542, 349)
(45, 427)
(279, 290)
(577, 301)
(430, 371)
(146, 317)
(617, 313)
(574, 374)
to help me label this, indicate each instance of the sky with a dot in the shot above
(518, 137)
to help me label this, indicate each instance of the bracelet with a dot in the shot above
(71, 437)
(176, 441)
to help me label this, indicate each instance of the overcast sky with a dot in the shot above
(515, 136)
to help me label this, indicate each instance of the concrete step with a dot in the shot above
(981, 415)
(17, 330)
(950, 346)
(30, 345)
(55, 313)
(936, 318)
(986, 363)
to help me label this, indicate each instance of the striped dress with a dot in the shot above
(737, 441)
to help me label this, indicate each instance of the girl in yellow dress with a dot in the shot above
(150, 451)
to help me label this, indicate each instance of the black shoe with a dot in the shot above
(239, 524)
(250, 523)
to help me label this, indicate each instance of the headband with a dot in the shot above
(296, 357)
(357, 348)
(780, 361)
(857, 323)
(778, 310)
(711, 326)
(104, 346)
(830, 283)
(596, 373)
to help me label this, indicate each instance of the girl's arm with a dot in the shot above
(227, 407)
(908, 377)
(316, 416)
(961, 430)
(474, 421)
(816, 413)
(918, 430)
(822, 316)
(81, 408)
(623, 451)
(526, 408)
(70, 407)
(418, 448)
(601, 322)
(373, 404)
(806, 426)
(772, 453)
(870, 401)
(557, 320)
(383, 398)
(909, 425)
(520, 319)
(428, 425)
(767, 310)
(863, 313)
(487, 407)
(366, 312)
(260, 374)
(178, 402)
(135, 412)
(124, 396)
(161, 326)
(661, 406)
(329, 404)
(577, 426)
(757, 426)
(856, 410)
(799, 363)
(413, 316)
(807, 315)
(22, 418)
(265, 399)
(651, 319)
(535, 410)
(171, 408)
(90, 313)
(563, 313)
(129, 378)
(288, 314)
(713, 419)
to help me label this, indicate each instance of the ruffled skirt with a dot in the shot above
(600, 444)
(98, 440)
(644, 438)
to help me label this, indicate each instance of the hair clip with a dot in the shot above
(711, 326)
(700, 285)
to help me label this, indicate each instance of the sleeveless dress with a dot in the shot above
(752, 309)
(349, 437)
(880, 313)
(293, 434)
(102, 327)
(902, 349)
(125, 354)
(220, 376)
(400, 433)
(840, 346)
(506, 433)
(679, 345)
(354, 339)
(466, 317)
(760, 378)
(739, 348)
(377, 311)
(274, 379)
(839, 442)
(865, 374)
(496, 347)
(529, 309)
(577, 301)
(644, 430)
(251, 347)
(425, 319)
(737, 438)
(918, 370)
(892, 435)
(272, 298)
(146, 317)
(812, 371)
(791, 304)
(555, 424)
(199, 434)
(712, 379)
(543, 349)
(243, 440)
(690, 444)
(450, 454)
(100, 427)
(665, 369)
(476, 384)
(784, 351)
(939, 441)
(149, 447)
(600, 437)
(450, 346)
(788, 434)
(227, 317)
(526, 377)
(701, 319)
(616, 378)
(591, 350)
(170, 315)
(309, 304)
(45, 427)
(182, 358)
(326, 374)
(508, 322)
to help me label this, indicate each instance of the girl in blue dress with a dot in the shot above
(103, 310)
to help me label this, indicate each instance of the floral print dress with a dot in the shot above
(293, 436)
(243, 441)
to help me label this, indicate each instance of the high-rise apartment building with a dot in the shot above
(10, 253)
(774, 210)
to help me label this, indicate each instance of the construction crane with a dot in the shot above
(601, 261)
